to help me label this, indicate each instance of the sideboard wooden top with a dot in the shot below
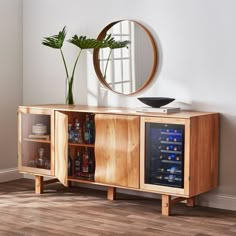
(113, 110)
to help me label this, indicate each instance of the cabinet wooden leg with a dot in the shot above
(166, 204)
(111, 193)
(191, 202)
(38, 184)
(69, 184)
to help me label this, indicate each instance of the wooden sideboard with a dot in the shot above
(121, 150)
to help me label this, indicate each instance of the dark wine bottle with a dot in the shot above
(78, 165)
(70, 134)
(78, 132)
(85, 166)
(89, 133)
(69, 164)
(173, 178)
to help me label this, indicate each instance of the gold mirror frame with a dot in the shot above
(96, 63)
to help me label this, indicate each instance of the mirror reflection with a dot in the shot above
(126, 70)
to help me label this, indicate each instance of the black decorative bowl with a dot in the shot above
(156, 101)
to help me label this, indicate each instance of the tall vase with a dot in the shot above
(69, 91)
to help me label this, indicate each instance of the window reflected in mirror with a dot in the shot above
(117, 65)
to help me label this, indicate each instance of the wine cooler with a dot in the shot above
(164, 154)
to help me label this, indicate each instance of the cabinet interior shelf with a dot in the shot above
(37, 140)
(80, 180)
(81, 145)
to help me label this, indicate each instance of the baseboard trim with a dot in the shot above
(221, 201)
(28, 176)
(9, 174)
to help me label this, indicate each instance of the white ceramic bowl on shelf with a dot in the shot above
(39, 129)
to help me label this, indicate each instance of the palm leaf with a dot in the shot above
(119, 44)
(108, 40)
(85, 43)
(112, 44)
(55, 41)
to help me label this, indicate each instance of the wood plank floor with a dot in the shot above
(79, 211)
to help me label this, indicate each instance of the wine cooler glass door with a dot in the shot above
(164, 154)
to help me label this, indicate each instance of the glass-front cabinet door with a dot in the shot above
(164, 155)
(35, 141)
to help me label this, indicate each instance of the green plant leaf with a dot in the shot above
(119, 44)
(85, 43)
(110, 42)
(55, 41)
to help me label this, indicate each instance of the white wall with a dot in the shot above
(197, 40)
(143, 56)
(10, 81)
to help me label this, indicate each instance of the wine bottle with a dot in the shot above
(41, 159)
(161, 169)
(78, 164)
(173, 178)
(69, 164)
(89, 132)
(91, 163)
(78, 132)
(85, 166)
(173, 170)
(160, 177)
(177, 158)
(70, 133)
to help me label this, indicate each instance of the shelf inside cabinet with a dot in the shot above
(81, 145)
(80, 179)
(37, 140)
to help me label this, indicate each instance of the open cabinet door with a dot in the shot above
(61, 146)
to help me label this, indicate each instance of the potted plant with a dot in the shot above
(82, 42)
(56, 42)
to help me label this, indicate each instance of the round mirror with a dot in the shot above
(129, 66)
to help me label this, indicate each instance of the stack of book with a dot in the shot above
(165, 110)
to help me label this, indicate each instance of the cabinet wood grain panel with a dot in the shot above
(61, 145)
(117, 150)
(38, 184)
(204, 143)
